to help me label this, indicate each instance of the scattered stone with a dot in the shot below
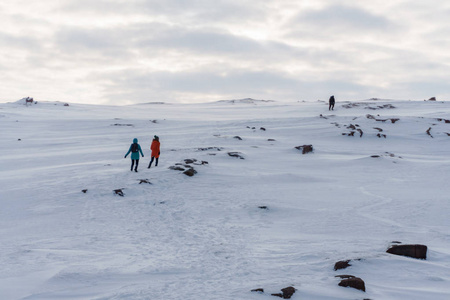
(262, 128)
(117, 124)
(144, 181)
(286, 293)
(379, 129)
(119, 192)
(236, 154)
(263, 207)
(351, 126)
(154, 121)
(396, 242)
(414, 251)
(66, 104)
(394, 120)
(237, 137)
(305, 148)
(84, 191)
(368, 116)
(210, 148)
(360, 132)
(271, 140)
(353, 282)
(448, 133)
(428, 132)
(190, 172)
(19, 140)
(176, 168)
(260, 290)
(381, 135)
(190, 161)
(432, 99)
(323, 116)
(375, 156)
(341, 265)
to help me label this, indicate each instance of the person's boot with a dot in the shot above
(135, 170)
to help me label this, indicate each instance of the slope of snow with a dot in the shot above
(206, 237)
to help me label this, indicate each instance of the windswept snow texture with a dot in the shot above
(206, 237)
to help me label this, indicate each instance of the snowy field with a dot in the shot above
(206, 236)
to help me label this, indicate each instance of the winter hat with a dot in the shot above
(156, 137)
(135, 140)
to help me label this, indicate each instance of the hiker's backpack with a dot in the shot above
(134, 148)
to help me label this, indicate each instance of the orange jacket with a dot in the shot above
(155, 148)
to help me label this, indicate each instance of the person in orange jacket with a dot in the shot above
(155, 151)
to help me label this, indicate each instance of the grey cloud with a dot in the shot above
(338, 17)
(196, 11)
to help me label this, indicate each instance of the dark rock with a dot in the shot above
(394, 120)
(66, 104)
(210, 148)
(351, 133)
(278, 295)
(414, 251)
(271, 140)
(368, 116)
(381, 135)
(144, 181)
(432, 99)
(260, 290)
(263, 207)
(360, 132)
(286, 293)
(238, 137)
(429, 132)
(204, 162)
(84, 191)
(262, 128)
(117, 124)
(305, 148)
(341, 265)
(19, 140)
(351, 126)
(190, 172)
(375, 156)
(379, 129)
(236, 154)
(118, 192)
(190, 161)
(353, 282)
(176, 168)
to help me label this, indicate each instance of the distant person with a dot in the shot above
(331, 102)
(135, 148)
(155, 151)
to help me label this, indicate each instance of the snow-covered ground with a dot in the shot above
(206, 237)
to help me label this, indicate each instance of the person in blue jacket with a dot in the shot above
(135, 148)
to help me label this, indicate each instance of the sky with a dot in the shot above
(123, 52)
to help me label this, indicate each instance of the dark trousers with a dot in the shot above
(132, 164)
(331, 107)
(151, 161)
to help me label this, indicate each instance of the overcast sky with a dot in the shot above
(129, 51)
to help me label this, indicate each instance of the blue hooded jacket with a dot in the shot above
(135, 155)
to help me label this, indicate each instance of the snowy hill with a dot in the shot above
(273, 219)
